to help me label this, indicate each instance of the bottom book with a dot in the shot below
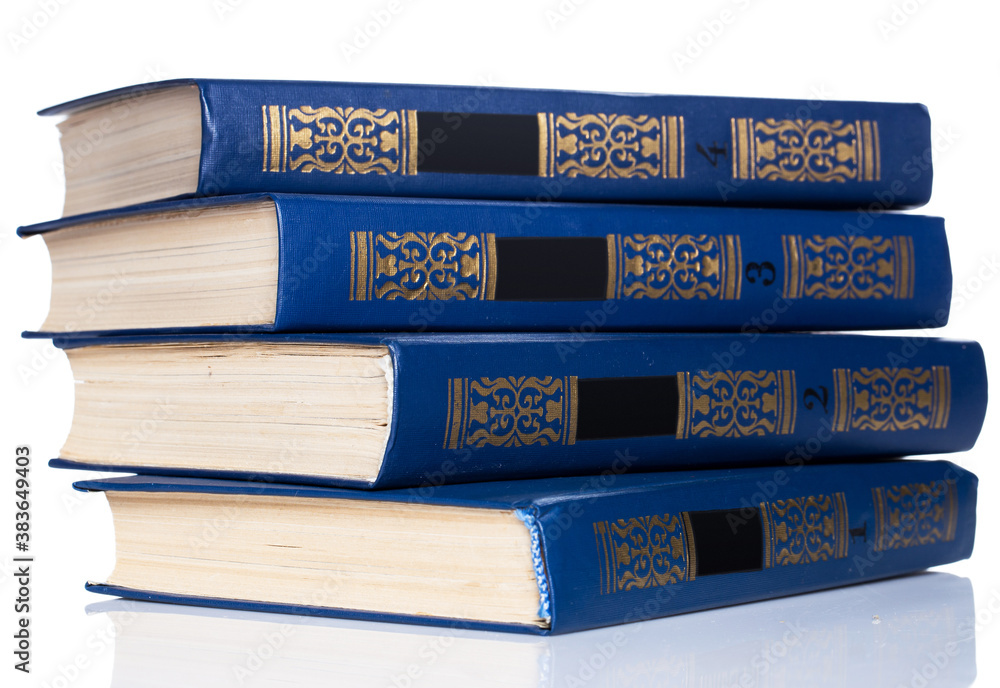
(543, 556)
(912, 631)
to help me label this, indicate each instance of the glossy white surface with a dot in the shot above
(886, 634)
(943, 54)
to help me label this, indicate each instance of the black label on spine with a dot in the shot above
(551, 269)
(727, 541)
(610, 408)
(468, 143)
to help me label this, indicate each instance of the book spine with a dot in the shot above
(505, 409)
(396, 265)
(488, 142)
(618, 558)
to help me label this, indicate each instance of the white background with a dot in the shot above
(944, 54)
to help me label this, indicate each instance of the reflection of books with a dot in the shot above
(880, 634)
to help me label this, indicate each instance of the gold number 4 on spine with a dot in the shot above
(805, 150)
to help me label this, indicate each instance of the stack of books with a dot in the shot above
(500, 358)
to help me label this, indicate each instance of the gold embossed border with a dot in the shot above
(892, 399)
(804, 530)
(643, 552)
(463, 266)
(350, 140)
(511, 411)
(805, 150)
(675, 266)
(736, 403)
(422, 266)
(339, 140)
(915, 514)
(846, 267)
(610, 146)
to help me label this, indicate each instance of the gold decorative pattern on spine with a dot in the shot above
(422, 265)
(682, 146)
(765, 522)
(572, 410)
(642, 552)
(263, 111)
(612, 266)
(341, 140)
(891, 399)
(683, 405)
(511, 412)
(456, 412)
(284, 136)
(736, 403)
(491, 266)
(673, 147)
(743, 161)
(360, 262)
(543, 144)
(689, 546)
(805, 150)
(915, 514)
(734, 267)
(610, 146)
(273, 145)
(676, 266)
(805, 529)
(848, 267)
(791, 249)
(410, 141)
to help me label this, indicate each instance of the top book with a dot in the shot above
(205, 137)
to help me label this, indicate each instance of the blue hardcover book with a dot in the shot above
(543, 556)
(211, 137)
(417, 410)
(287, 263)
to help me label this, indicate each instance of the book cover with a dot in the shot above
(382, 264)
(491, 407)
(653, 545)
(485, 142)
